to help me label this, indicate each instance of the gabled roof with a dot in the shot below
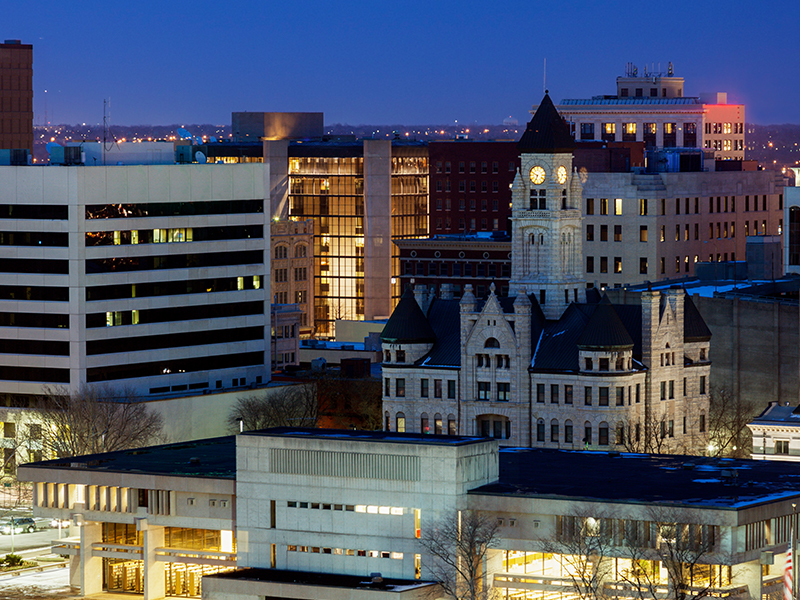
(547, 132)
(408, 324)
(605, 329)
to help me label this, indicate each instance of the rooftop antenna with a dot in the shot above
(107, 128)
(544, 77)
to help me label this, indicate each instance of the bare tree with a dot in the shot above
(458, 545)
(664, 555)
(647, 435)
(290, 406)
(97, 418)
(727, 424)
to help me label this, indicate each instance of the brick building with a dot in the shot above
(16, 95)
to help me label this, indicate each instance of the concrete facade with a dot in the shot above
(112, 274)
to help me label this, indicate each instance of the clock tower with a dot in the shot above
(547, 256)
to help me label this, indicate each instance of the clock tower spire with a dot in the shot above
(547, 257)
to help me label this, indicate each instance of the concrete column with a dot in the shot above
(154, 574)
(749, 574)
(276, 178)
(90, 572)
(377, 228)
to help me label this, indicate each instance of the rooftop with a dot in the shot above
(213, 457)
(367, 436)
(321, 579)
(614, 100)
(666, 479)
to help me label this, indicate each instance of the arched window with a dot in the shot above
(491, 343)
(424, 426)
(281, 251)
(437, 424)
(554, 430)
(540, 430)
(602, 434)
(587, 434)
(300, 251)
(451, 424)
(400, 422)
(567, 431)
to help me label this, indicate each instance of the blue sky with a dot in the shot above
(407, 62)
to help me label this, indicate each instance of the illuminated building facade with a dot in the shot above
(16, 95)
(653, 109)
(290, 513)
(152, 277)
(360, 196)
(293, 268)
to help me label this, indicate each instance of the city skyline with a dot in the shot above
(364, 63)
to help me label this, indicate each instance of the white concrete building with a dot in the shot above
(152, 277)
(314, 513)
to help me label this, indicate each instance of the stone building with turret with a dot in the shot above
(553, 364)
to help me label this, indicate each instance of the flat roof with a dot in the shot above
(353, 435)
(321, 579)
(612, 101)
(694, 481)
(212, 458)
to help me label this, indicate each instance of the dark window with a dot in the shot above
(173, 209)
(603, 397)
(540, 393)
(554, 393)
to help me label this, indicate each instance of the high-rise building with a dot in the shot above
(152, 277)
(16, 95)
(360, 196)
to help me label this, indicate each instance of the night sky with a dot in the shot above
(377, 62)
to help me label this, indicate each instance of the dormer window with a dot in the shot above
(588, 365)
(387, 356)
(620, 364)
(604, 364)
(400, 356)
(702, 353)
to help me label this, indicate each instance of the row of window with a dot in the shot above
(473, 204)
(174, 235)
(44, 212)
(634, 394)
(172, 261)
(359, 508)
(447, 166)
(173, 209)
(643, 263)
(503, 391)
(28, 292)
(34, 238)
(171, 314)
(424, 424)
(400, 386)
(724, 128)
(168, 366)
(282, 275)
(282, 251)
(608, 132)
(473, 224)
(666, 429)
(346, 552)
(499, 268)
(444, 186)
(299, 297)
(173, 288)
(613, 206)
(725, 145)
(172, 340)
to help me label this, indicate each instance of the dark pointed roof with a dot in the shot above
(547, 132)
(408, 324)
(605, 329)
(694, 326)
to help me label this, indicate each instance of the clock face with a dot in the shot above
(537, 175)
(561, 174)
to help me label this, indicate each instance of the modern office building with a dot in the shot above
(152, 277)
(360, 196)
(329, 515)
(16, 96)
(544, 367)
(653, 108)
